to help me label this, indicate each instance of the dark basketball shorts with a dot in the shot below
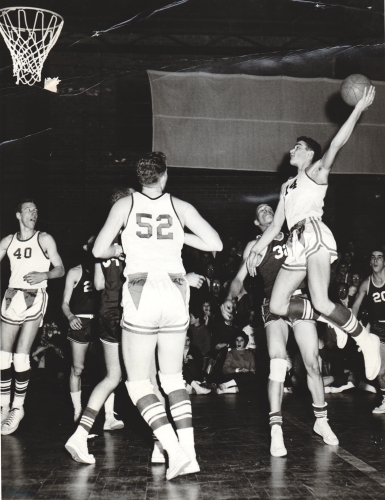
(83, 336)
(379, 329)
(269, 318)
(109, 326)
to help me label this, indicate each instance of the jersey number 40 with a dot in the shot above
(142, 221)
(27, 253)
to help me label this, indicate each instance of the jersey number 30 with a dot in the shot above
(148, 227)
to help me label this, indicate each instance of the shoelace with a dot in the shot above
(11, 416)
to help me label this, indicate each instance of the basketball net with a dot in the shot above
(29, 34)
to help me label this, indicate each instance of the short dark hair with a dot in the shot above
(20, 205)
(313, 146)
(120, 193)
(244, 336)
(151, 167)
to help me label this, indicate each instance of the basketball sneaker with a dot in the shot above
(111, 423)
(198, 388)
(78, 449)
(178, 460)
(322, 428)
(11, 423)
(369, 344)
(157, 456)
(193, 467)
(380, 409)
(277, 446)
(342, 337)
(4, 412)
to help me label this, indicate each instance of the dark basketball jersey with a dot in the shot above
(376, 295)
(112, 294)
(274, 257)
(83, 299)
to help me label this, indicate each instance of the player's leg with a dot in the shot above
(138, 354)
(318, 266)
(381, 380)
(170, 355)
(276, 334)
(77, 443)
(286, 283)
(21, 364)
(305, 333)
(157, 456)
(78, 351)
(8, 336)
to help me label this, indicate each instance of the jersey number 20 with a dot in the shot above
(149, 227)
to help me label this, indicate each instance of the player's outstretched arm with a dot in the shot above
(204, 236)
(4, 244)
(48, 246)
(104, 247)
(268, 235)
(343, 135)
(360, 297)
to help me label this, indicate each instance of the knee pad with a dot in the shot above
(172, 382)
(5, 360)
(21, 362)
(139, 389)
(278, 368)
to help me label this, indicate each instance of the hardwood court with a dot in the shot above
(232, 441)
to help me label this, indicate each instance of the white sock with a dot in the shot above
(186, 439)
(109, 404)
(167, 437)
(77, 401)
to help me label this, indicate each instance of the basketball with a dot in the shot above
(352, 88)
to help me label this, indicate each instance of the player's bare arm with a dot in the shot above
(204, 236)
(72, 279)
(360, 297)
(267, 237)
(4, 244)
(48, 246)
(117, 218)
(99, 280)
(320, 170)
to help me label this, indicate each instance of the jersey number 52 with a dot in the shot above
(142, 221)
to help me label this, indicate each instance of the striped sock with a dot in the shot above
(345, 319)
(152, 411)
(180, 408)
(88, 419)
(6, 382)
(21, 385)
(275, 418)
(320, 411)
(300, 308)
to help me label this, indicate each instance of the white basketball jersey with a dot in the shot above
(153, 237)
(303, 198)
(26, 257)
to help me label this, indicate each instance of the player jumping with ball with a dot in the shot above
(311, 246)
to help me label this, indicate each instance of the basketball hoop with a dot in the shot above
(29, 34)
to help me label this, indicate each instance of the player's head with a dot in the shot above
(241, 340)
(121, 193)
(305, 150)
(377, 262)
(152, 169)
(26, 212)
(264, 216)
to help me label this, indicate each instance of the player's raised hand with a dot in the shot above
(367, 98)
(34, 277)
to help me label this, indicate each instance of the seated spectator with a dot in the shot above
(48, 352)
(216, 296)
(249, 329)
(201, 336)
(207, 317)
(224, 334)
(238, 369)
(192, 367)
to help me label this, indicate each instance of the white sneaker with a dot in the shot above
(342, 337)
(380, 409)
(345, 387)
(4, 412)
(77, 447)
(277, 446)
(370, 347)
(194, 466)
(322, 428)
(189, 389)
(178, 460)
(157, 456)
(327, 390)
(199, 389)
(112, 424)
(11, 423)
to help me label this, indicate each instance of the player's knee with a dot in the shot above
(278, 308)
(77, 370)
(139, 389)
(323, 305)
(5, 360)
(21, 362)
(312, 367)
(113, 379)
(278, 369)
(171, 382)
